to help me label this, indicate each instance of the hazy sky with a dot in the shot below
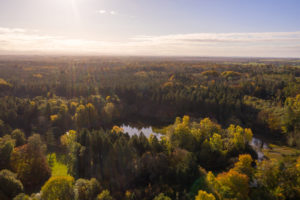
(152, 27)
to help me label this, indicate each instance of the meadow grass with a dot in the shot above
(57, 168)
(281, 152)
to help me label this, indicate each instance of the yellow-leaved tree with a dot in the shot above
(229, 185)
(203, 195)
(239, 136)
(244, 165)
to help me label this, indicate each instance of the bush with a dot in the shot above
(161, 196)
(104, 195)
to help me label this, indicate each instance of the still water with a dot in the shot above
(147, 131)
(257, 144)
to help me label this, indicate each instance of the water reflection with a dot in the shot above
(258, 145)
(147, 131)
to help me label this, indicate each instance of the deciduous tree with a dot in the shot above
(60, 187)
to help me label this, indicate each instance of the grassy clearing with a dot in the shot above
(57, 168)
(281, 153)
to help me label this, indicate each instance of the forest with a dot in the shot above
(62, 133)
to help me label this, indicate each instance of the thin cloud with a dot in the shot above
(268, 44)
(112, 12)
(101, 11)
(224, 37)
(11, 30)
(104, 12)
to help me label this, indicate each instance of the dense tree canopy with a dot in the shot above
(204, 112)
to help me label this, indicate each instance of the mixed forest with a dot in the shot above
(61, 134)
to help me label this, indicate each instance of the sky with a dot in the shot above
(244, 28)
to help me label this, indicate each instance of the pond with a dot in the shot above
(257, 144)
(147, 131)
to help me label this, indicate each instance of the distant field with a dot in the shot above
(280, 60)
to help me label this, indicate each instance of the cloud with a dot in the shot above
(11, 30)
(103, 12)
(224, 37)
(112, 12)
(267, 44)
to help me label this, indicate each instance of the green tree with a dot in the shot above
(60, 187)
(109, 110)
(104, 195)
(30, 163)
(269, 177)
(86, 116)
(181, 136)
(10, 186)
(50, 140)
(4, 128)
(162, 196)
(51, 158)
(69, 142)
(19, 137)
(6, 148)
(22, 196)
(87, 189)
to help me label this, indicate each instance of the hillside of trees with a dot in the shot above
(61, 134)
